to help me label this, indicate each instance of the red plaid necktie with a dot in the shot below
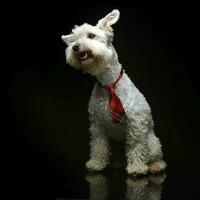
(116, 107)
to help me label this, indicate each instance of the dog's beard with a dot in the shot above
(88, 61)
(93, 65)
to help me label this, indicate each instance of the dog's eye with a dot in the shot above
(91, 35)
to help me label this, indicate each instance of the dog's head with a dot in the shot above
(90, 47)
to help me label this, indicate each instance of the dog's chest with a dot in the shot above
(99, 103)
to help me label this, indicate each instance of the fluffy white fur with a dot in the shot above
(143, 148)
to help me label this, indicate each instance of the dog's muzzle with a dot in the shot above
(82, 55)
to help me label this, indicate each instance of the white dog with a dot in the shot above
(117, 109)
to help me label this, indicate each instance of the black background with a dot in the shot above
(47, 127)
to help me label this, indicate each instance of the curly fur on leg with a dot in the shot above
(99, 149)
(137, 156)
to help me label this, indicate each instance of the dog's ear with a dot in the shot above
(76, 26)
(110, 19)
(67, 38)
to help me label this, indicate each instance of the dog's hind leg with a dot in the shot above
(156, 163)
(137, 150)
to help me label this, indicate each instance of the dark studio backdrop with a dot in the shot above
(48, 99)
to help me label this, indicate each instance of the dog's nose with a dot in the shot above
(76, 47)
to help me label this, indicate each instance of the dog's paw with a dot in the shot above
(137, 170)
(157, 167)
(96, 164)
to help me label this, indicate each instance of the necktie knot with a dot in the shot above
(111, 89)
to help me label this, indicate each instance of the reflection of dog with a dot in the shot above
(148, 188)
(117, 108)
(145, 188)
(98, 187)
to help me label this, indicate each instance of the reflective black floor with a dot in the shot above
(115, 184)
(35, 176)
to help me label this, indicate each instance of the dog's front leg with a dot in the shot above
(99, 149)
(137, 151)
